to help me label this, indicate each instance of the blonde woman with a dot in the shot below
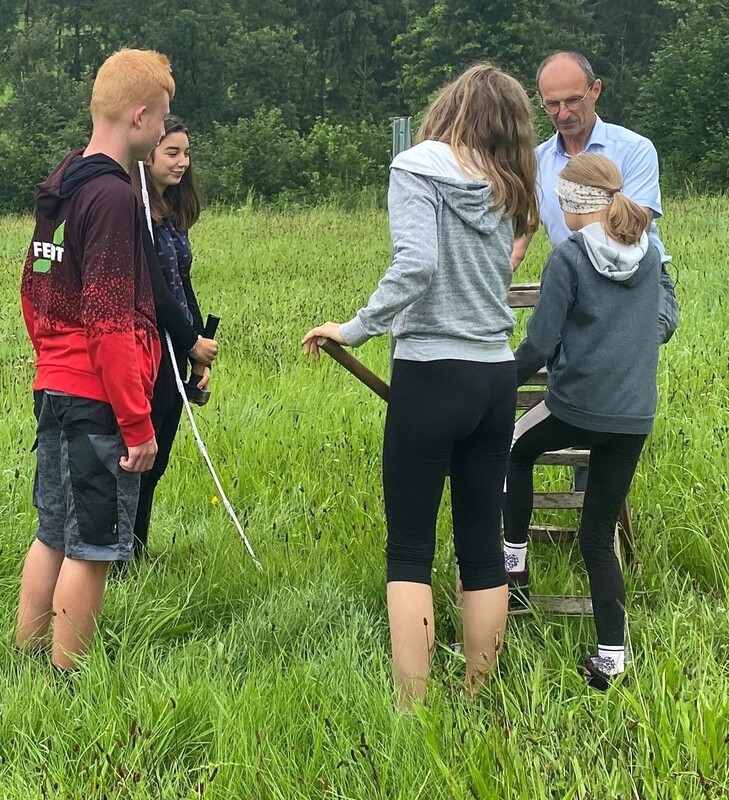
(597, 329)
(456, 200)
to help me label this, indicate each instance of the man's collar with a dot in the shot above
(599, 134)
(598, 137)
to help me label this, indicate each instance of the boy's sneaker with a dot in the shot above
(518, 592)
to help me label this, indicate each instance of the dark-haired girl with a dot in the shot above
(175, 207)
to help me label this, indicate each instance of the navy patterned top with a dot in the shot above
(175, 259)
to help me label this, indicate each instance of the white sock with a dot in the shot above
(515, 556)
(612, 658)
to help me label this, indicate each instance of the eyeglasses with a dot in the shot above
(553, 107)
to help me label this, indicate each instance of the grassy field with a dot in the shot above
(212, 679)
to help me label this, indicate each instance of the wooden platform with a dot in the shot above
(568, 605)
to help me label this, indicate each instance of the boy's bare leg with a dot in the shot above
(35, 607)
(76, 605)
(484, 622)
(412, 634)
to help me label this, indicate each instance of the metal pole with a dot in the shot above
(401, 140)
(401, 134)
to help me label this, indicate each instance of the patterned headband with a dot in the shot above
(574, 198)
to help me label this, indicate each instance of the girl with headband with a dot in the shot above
(597, 329)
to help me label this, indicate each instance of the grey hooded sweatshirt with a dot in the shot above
(597, 328)
(445, 293)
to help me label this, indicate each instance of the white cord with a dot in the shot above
(185, 402)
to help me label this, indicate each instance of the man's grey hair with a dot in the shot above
(578, 58)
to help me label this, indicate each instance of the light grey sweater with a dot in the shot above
(445, 293)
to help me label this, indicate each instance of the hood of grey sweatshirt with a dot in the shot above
(469, 199)
(612, 259)
(445, 293)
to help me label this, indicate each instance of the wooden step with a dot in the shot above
(554, 534)
(539, 379)
(558, 499)
(523, 295)
(526, 398)
(569, 605)
(567, 458)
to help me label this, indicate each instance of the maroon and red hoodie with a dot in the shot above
(86, 294)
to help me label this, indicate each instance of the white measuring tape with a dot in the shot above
(185, 402)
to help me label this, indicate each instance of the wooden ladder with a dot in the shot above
(526, 295)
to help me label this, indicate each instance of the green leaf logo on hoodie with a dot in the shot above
(45, 253)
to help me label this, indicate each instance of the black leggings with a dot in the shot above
(613, 459)
(443, 416)
(166, 410)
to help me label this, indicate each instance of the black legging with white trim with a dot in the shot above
(613, 459)
(443, 416)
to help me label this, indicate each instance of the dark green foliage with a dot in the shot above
(685, 99)
(350, 68)
(197, 41)
(292, 98)
(630, 32)
(453, 34)
(264, 159)
(257, 154)
(45, 115)
(267, 70)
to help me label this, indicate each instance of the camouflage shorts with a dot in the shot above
(86, 502)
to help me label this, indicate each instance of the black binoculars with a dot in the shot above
(195, 395)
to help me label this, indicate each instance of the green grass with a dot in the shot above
(213, 679)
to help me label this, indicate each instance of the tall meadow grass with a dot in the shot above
(212, 679)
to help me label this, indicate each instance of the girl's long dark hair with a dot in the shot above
(180, 203)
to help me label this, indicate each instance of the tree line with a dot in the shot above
(290, 100)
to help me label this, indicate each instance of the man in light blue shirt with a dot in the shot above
(636, 159)
(569, 91)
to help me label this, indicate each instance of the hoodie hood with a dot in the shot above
(469, 199)
(612, 259)
(72, 173)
